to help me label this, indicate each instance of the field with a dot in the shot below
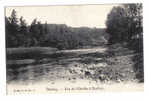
(109, 65)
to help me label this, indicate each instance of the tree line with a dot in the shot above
(61, 36)
(124, 25)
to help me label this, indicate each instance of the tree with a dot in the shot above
(8, 34)
(23, 33)
(41, 32)
(116, 25)
(12, 29)
(124, 23)
(135, 19)
(34, 33)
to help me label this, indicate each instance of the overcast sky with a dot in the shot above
(75, 16)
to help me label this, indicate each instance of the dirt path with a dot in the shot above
(84, 51)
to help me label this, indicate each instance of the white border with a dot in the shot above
(69, 96)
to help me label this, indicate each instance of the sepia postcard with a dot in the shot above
(74, 48)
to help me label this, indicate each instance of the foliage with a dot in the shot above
(12, 30)
(19, 34)
(124, 23)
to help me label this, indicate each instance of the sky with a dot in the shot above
(74, 15)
